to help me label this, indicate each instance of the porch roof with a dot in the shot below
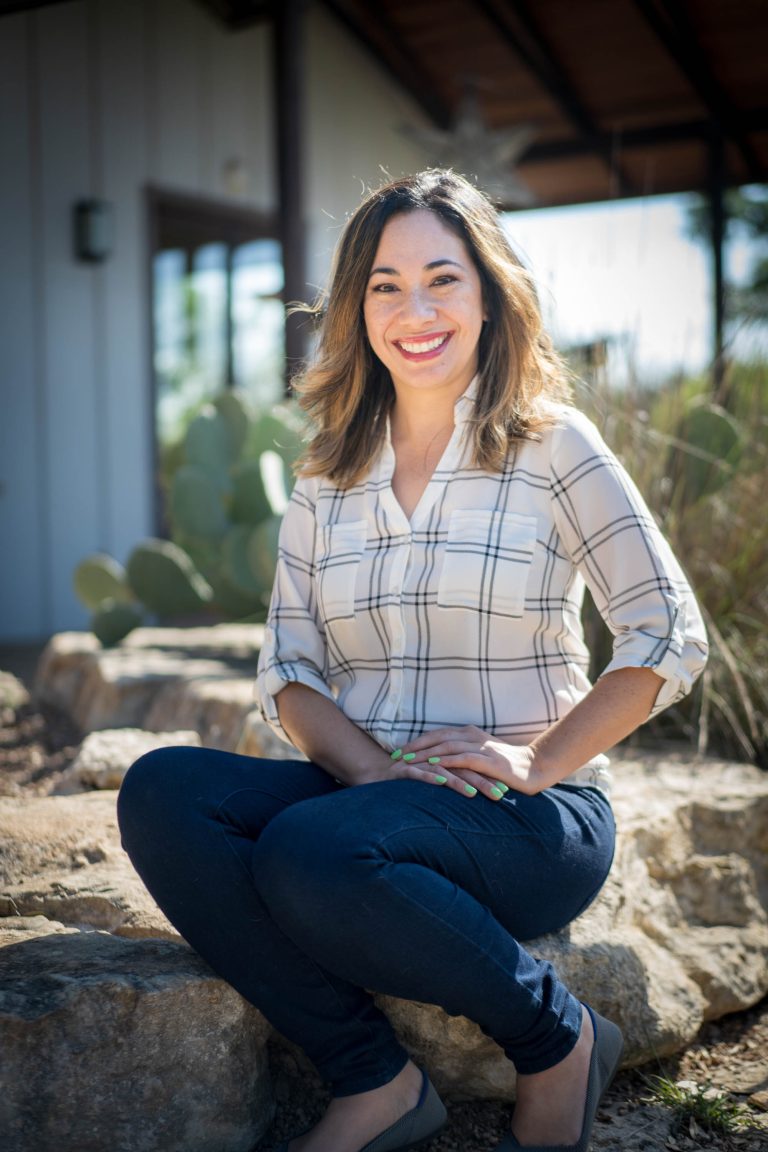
(626, 97)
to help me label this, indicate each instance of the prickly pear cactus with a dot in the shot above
(114, 619)
(229, 487)
(165, 580)
(197, 504)
(99, 577)
(715, 442)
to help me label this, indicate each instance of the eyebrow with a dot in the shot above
(427, 267)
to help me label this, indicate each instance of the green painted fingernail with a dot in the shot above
(396, 754)
(434, 760)
(503, 787)
(441, 779)
(496, 793)
(409, 756)
(470, 791)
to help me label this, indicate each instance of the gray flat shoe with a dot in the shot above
(606, 1057)
(412, 1130)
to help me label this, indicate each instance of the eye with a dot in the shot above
(384, 288)
(444, 279)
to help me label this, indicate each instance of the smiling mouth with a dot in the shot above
(423, 348)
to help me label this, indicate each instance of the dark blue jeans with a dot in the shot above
(302, 894)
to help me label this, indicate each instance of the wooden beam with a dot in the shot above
(673, 28)
(289, 76)
(699, 131)
(371, 27)
(239, 14)
(9, 7)
(510, 16)
(717, 210)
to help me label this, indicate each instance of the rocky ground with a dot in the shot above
(728, 1062)
(726, 1066)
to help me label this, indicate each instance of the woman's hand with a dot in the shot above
(473, 761)
(614, 707)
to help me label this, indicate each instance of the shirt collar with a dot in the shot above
(464, 408)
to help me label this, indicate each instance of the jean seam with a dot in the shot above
(317, 967)
(483, 953)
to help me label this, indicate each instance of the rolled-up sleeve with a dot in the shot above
(294, 649)
(636, 582)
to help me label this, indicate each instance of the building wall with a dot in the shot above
(100, 98)
(354, 116)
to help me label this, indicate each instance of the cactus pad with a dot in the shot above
(114, 619)
(165, 579)
(99, 577)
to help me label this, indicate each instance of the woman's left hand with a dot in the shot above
(482, 760)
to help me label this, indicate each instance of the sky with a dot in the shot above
(626, 271)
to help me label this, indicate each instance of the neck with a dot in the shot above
(421, 418)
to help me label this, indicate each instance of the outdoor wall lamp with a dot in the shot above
(94, 230)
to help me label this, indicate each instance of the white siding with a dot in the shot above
(24, 568)
(174, 53)
(123, 368)
(73, 410)
(99, 98)
(354, 116)
(238, 115)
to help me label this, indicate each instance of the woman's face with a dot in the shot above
(423, 306)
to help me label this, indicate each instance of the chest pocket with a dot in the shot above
(340, 551)
(487, 561)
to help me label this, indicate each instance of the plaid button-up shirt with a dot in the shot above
(470, 612)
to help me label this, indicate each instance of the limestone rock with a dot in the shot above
(60, 857)
(118, 687)
(214, 706)
(258, 739)
(13, 696)
(127, 1045)
(678, 936)
(105, 757)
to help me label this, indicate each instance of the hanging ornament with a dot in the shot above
(483, 154)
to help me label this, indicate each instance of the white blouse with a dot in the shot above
(470, 612)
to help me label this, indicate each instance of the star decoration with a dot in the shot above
(479, 152)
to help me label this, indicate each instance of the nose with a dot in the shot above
(417, 306)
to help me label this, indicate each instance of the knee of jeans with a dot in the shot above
(145, 793)
(304, 856)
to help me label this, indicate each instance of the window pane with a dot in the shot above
(179, 387)
(258, 321)
(209, 291)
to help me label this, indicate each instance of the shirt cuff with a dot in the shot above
(672, 657)
(272, 681)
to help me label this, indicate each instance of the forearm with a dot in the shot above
(618, 704)
(319, 729)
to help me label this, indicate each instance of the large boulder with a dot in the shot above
(60, 857)
(127, 1045)
(678, 936)
(13, 697)
(105, 757)
(163, 679)
(157, 678)
(258, 739)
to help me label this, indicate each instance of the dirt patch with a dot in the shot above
(36, 747)
(730, 1055)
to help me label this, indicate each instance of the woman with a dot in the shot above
(424, 651)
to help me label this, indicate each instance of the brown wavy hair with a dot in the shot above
(347, 392)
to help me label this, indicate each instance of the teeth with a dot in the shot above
(422, 345)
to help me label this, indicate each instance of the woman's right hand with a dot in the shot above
(400, 765)
(318, 727)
